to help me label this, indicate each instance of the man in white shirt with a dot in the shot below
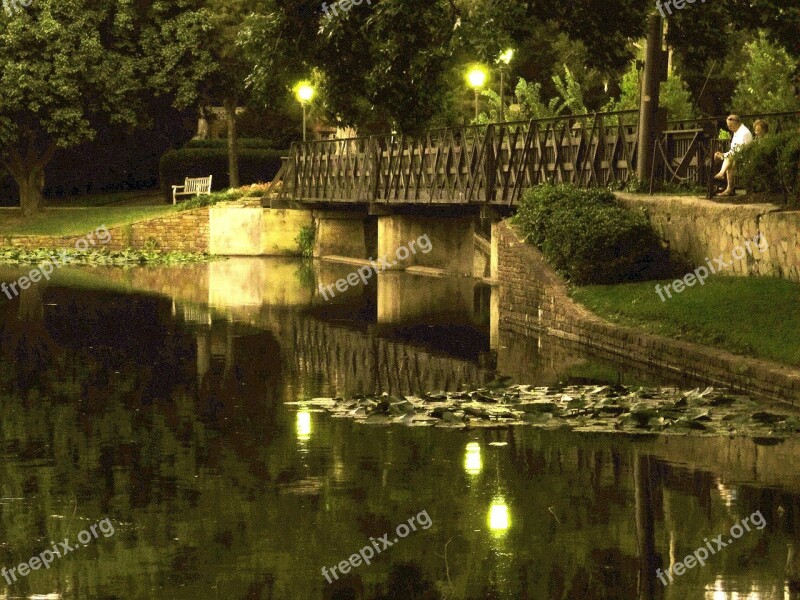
(741, 137)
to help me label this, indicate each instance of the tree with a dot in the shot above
(765, 83)
(703, 40)
(66, 67)
(225, 81)
(396, 62)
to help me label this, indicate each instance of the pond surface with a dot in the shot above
(151, 403)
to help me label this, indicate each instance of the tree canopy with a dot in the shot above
(67, 67)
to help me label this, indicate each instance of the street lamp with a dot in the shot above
(504, 59)
(476, 78)
(304, 92)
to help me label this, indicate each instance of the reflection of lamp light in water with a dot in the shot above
(304, 425)
(499, 519)
(472, 459)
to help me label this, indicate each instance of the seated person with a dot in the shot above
(760, 128)
(741, 137)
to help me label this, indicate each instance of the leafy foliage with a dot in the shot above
(530, 104)
(305, 240)
(674, 96)
(588, 237)
(260, 143)
(66, 67)
(765, 83)
(128, 257)
(772, 164)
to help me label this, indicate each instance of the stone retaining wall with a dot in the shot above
(185, 231)
(533, 299)
(698, 228)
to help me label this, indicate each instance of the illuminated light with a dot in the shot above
(499, 519)
(506, 56)
(477, 76)
(304, 91)
(472, 459)
(303, 425)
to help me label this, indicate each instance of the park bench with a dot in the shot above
(192, 186)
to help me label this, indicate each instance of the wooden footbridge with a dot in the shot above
(393, 188)
(494, 164)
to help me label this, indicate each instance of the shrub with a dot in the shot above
(211, 199)
(772, 164)
(588, 237)
(255, 165)
(305, 240)
(258, 143)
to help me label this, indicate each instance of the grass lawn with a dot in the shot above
(78, 221)
(755, 316)
(151, 197)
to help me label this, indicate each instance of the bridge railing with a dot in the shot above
(493, 163)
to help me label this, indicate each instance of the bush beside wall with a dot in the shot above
(255, 165)
(588, 237)
(262, 143)
(772, 164)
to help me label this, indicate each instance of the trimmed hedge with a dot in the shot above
(588, 237)
(772, 164)
(255, 166)
(262, 143)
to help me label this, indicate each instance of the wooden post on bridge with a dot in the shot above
(651, 120)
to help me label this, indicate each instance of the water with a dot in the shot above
(155, 398)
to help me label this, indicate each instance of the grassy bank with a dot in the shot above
(77, 221)
(757, 317)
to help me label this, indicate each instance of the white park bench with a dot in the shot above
(196, 186)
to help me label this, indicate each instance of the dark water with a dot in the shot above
(154, 398)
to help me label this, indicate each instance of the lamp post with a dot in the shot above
(304, 92)
(504, 59)
(476, 78)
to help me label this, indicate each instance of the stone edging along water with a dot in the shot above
(533, 300)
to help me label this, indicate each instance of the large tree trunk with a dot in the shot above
(31, 187)
(28, 171)
(233, 142)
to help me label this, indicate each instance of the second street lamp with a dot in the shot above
(476, 78)
(504, 59)
(304, 92)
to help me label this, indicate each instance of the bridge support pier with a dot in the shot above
(428, 298)
(340, 233)
(449, 245)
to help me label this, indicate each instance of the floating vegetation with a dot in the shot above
(580, 408)
(102, 256)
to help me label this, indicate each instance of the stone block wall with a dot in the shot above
(185, 231)
(534, 300)
(698, 228)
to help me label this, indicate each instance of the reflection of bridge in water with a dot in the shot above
(401, 332)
